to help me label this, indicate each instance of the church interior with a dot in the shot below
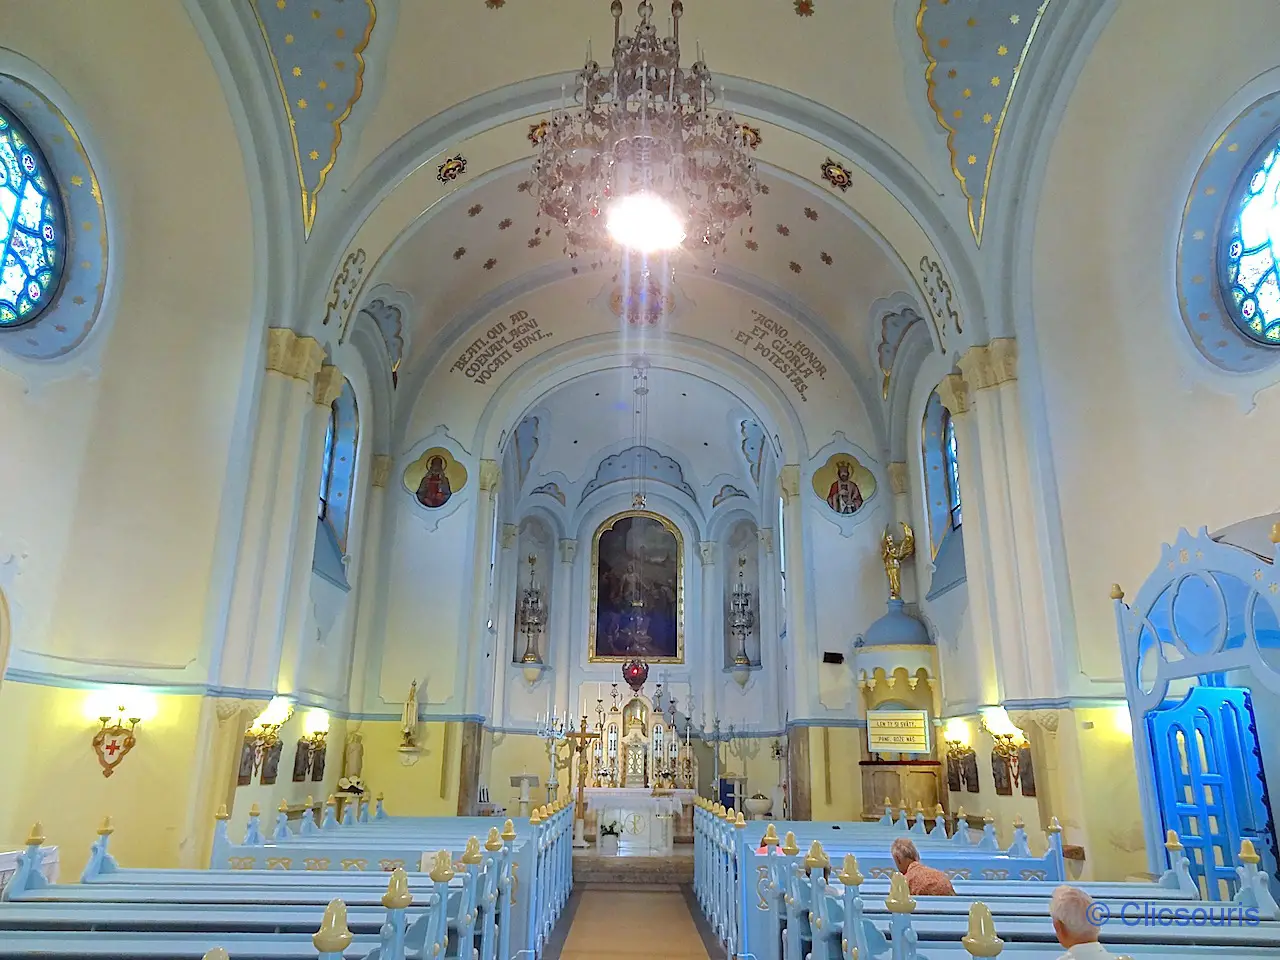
(507, 479)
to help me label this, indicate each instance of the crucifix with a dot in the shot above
(581, 740)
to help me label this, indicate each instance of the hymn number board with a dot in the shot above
(898, 731)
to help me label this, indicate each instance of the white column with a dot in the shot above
(481, 593)
(369, 583)
(954, 391)
(559, 654)
(506, 601)
(713, 645)
(803, 685)
(327, 387)
(250, 652)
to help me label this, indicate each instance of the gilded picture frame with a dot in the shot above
(594, 653)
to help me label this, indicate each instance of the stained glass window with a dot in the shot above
(1251, 235)
(953, 468)
(32, 233)
(326, 477)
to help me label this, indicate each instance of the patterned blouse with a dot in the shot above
(925, 881)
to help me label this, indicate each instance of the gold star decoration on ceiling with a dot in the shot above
(969, 63)
(317, 44)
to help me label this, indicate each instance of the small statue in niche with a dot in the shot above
(409, 720)
(893, 553)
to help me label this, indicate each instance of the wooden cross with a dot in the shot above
(581, 739)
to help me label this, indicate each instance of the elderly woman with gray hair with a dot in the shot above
(1075, 925)
(922, 881)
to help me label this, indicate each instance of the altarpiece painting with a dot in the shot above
(637, 590)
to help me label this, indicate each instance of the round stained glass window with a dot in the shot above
(32, 232)
(1250, 246)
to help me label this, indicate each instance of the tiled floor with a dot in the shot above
(620, 925)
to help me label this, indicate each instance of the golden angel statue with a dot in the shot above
(409, 720)
(894, 552)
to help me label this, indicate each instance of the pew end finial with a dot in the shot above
(899, 899)
(981, 940)
(509, 831)
(333, 937)
(217, 953)
(816, 857)
(789, 845)
(36, 837)
(397, 896)
(442, 868)
(1248, 853)
(493, 843)
(471, 853)
(106, 829)
(850, 875)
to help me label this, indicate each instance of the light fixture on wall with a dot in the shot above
(742, 621)
(114, 740)
(263, 733)
(645, 161)
(533, 618)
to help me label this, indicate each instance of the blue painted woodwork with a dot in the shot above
(1209, 610)
(1209, 779)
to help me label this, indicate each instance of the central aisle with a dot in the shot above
(618, 924)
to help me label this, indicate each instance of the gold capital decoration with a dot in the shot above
(328, 385)
(954, 392)
(898, 477)
(490, 475)
(789, 481)
(381, 469)
(893, 553)
(297, 357)
(977, 369)
(1003, 356)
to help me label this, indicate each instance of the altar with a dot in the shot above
(645, 819)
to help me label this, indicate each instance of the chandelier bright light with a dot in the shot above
(644, 160)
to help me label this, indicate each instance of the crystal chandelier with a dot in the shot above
(742, 619)
(644, 160)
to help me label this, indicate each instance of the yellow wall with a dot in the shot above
(511, 754)
(1004, 809)
(54, 777)
(412, 791)
(834, 753)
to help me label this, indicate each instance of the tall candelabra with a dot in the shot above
(741, 622)
(554, 729)
(533, 616)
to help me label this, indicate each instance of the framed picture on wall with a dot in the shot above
(318, 755)
(247, 752)
(1000, 774)
(271, 764)
(302, 761)
(969, 771)
(953, 774)
(1026, 772)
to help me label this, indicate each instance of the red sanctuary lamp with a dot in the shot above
(635, 673)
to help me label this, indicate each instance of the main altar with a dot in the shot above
(637, 775)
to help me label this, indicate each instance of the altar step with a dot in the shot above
(632, 873)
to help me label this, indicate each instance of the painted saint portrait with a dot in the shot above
(301, 761)
(435, 477)
(1026, 772)
(637, 598)
(844, 483)
(318, 755)
(271, 764)
(248, 753)
(1000, 775)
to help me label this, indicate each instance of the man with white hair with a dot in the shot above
(922, 881)
(1074, 924)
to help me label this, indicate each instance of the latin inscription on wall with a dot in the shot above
(773, 343)
(494, 349)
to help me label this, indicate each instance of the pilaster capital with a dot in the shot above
(229, 708)
(568, 550)
(766, 538)
(381, 469)
(297, 357)
(327, 385)
(1022, 719)
(898, 477)
(707, 552)
(975, 365)
(789, 481)
(490, 476)
(1003, 354)
(1048, 721)
(954, 391)
(508, 536)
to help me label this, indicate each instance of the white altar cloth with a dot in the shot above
(644, 819)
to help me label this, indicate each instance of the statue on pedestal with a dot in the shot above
(409, 721)
(893, 553)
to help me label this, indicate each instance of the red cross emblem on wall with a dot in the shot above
(113, 742)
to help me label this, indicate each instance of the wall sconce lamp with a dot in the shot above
(114, 740)
(958, 750)
(264, 732)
